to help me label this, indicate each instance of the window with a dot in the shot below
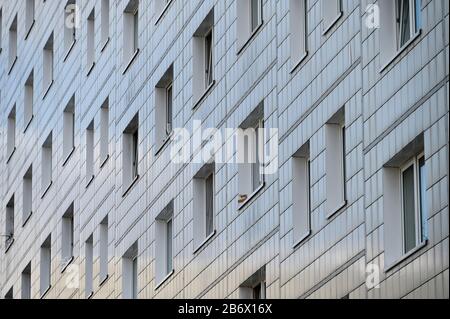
(164, 108)
(105, 22)
(28, 100)
(335, 163)
(405, 204)
(27, 195)
(249, 19)
(26, 282)
(164, 243)
(45, 264)
(130, 273)
(299, 34)
(69, 129)
(104, 132)
(203, 205)
(11, 134)
(203, 46)
(48, 65)
(130, 153)
(161, 7)
(13, 44)
(414, 205)
(103, 255)
(1, 30)
(46, 164)
(89, 265)
(70, 26)
(331, 12)
(9, 224)
(67, 237)
(130, 32)
(301, 186)
(91, 41)
(408, 20)
(255, 286)
(400, 22)
(90, 153)
(29, 16)
(250, 153)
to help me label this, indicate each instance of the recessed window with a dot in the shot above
(203, 54)
(255, 286)
(130, 273)
(331, 12)
(164, 243)
(301, 186)
(400, 22)
(130, 153)
(10, 293)
(13, 43)
(105, 22)
(27, 195)
(29, 15)
(161, 7)
(28, 100)
(46, 164)
(335, 163)
(408, 20)
(26, 282)
(69, 129)
(90, 54)
(70, 25)
(203, 205)
(104, 131)
(67, 236)
(164, 108)
(48, 64)
(405, 202)
(298, 12)
(249, 18)
(9, 223)
(89, 266)
(45, 265)
(103, 255)
(89, 153)
(11, 134)
(250, 153)
(130, 31)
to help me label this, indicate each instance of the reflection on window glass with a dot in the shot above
(423, 199)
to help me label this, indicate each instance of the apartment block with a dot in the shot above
(345, 107)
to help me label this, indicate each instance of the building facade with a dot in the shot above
(352, 202)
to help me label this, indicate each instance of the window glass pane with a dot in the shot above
(256, 174)
(135, 278)
(209, 184)
(405, 22)
(169, 110)
(208, 62)
(169, 246)
(135, 154)
(136, 30)
(255, 14)
(418, 14)
(423, 199)
(409, 216)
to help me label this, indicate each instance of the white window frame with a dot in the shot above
(103, 247)
(412, 22)
(89, 153)
(259, 14)
(414, 162)
(28, 100)
(89, 266)
(11, 133)
(69, 32)
(104, 23)
(27, 200)
(90, 47)
(13, 30)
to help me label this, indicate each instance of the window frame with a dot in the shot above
(209, 59)
(169, 109)
(414, 29)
